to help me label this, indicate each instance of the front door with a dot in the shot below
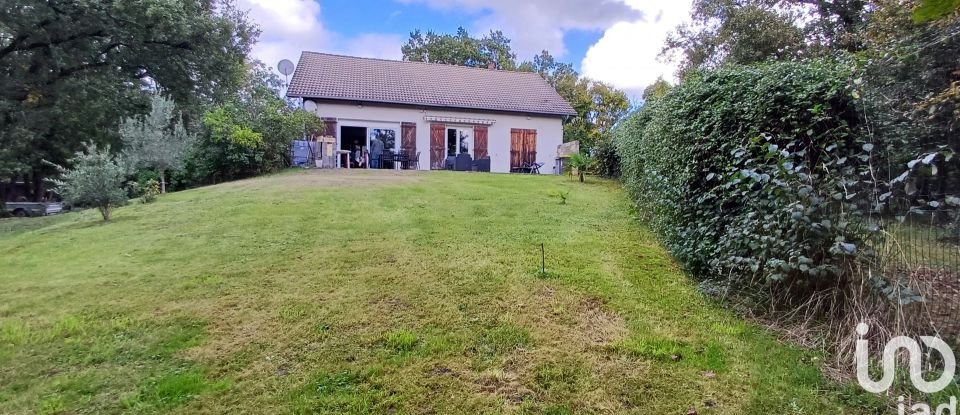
(458, 141)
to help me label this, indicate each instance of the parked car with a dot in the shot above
(29, 209)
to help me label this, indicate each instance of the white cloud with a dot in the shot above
(290, 27)
(627, 54)
(374, 45)
(535, 25)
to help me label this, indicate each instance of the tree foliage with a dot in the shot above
(249, 134)
(737, 32)
(460, 49)
(753, 31)
(599, 108)
(96, 179)
(72, 70)
(157, 141)
(657, 89)
(910, 87)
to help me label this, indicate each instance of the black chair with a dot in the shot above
(386, 161)
(450, 162)
(535, 168)
(414, 163)
(524, 168)
(464, 162)
(482, 165)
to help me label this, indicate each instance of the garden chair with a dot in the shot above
(414, 163)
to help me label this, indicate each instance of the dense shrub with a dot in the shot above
(755, 175)
(248, 135)
(149, 191)
(605, 159)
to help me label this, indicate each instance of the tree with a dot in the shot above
(599, 108)
(70, 71)
(910, 87)
(96, 179)
(250, 133)
(733, 31)
(548, 67)
(657, 89)
(158, 141)
(460, 49)
(753, 31)
(833, 24)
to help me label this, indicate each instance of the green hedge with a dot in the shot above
(754, 175)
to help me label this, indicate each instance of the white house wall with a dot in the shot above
(549, 129)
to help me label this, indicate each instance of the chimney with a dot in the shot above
(491, 66)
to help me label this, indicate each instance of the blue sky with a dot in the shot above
(615, 41)
(391, 16)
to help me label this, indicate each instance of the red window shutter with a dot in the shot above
(408, 139)
(437, 138)
(530, 146)
(480, 142)
(516, 148)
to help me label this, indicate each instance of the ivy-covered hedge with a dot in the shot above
(755, 175)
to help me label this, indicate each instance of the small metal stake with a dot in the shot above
(543, 260)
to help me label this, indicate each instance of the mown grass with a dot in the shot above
(370, 292)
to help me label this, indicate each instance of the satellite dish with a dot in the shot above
(310, 106)
(285, 67)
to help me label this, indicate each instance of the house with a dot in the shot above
(435, 111)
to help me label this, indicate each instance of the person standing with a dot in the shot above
(376, 150)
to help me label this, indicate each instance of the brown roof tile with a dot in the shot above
(336, 77)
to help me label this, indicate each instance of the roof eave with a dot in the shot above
(420, 104)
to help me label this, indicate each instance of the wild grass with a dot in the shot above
(365, 293)
(912, 245)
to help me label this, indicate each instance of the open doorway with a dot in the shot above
(458, 141)
(354, 140)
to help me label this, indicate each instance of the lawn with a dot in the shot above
(365, 292)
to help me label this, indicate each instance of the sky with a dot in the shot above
(615, 41)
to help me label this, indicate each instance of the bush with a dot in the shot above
(149, 191)
(579, 163)
(754, 175)
(606, 161)
(96, 179)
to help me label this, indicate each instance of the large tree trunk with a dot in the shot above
(163, 183)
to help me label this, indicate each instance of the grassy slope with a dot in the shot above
(364, 293)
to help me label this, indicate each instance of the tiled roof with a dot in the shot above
(337, 77)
